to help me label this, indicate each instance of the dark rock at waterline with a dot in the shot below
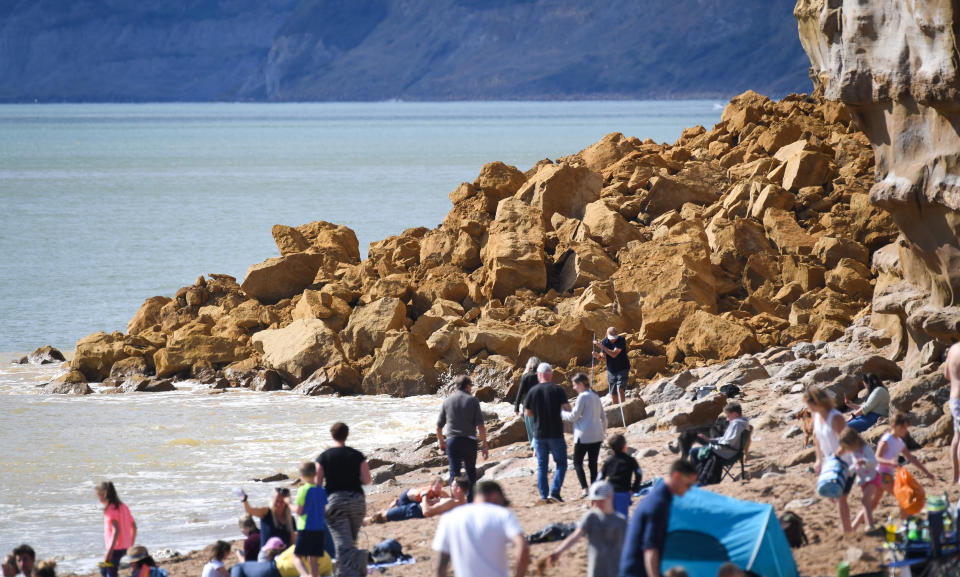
(267, 380)
(46, 355)
(129, 368)
(220, 383)
(272, 478)
(66, 388)
(70, 383)
(148, 385)
(20, 361)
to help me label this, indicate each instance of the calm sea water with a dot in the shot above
(106, 205)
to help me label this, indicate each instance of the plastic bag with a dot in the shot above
(910, 495)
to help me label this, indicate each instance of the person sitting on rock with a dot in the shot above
(877, 405)
(727, 445)
(433, 501)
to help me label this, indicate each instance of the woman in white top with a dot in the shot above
(828, 423)
(589, 428)
(214, 567)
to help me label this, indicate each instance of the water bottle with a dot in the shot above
(891, 529)
(912, 533)
(843, 569)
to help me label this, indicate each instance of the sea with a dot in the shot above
(105, 205)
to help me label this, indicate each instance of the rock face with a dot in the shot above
(893, 66)
(758, 233)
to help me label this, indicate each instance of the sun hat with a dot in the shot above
(137, 553)
(274, 543)
(544, 368)
(600, 490)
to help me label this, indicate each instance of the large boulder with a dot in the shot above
(782, 228)
(369, 325)
(95, 354)
(698, 183)
(45, 355)
(341, 378)
(686, 413)
(560, 189)
(278, 278)
(298, 349)
(712, 337)
(494, 337)
(662, 281)
(331, 309)
(496, 182)
(570, 339)
(584, 263)
(70, 383)
(148, 315)
(607, 151)
(513, 255)
(608, 227)
(337, 243)
(402, 368)
(181, 354)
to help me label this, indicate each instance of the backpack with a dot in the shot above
(709, 470)
(792, 526)
(389, 551)
(833, 479)
(730, 391)
(552, 532)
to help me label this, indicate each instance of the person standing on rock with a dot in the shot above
(458, 425)
(614, 350)
(952, 372)
(647, 530)
(589, 428)
(545, 403)
(527, 382)
(343, 471)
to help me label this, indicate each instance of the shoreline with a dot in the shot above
(778, 473)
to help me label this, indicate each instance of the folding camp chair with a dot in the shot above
(741, 456)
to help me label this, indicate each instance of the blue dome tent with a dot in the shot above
(707, 530)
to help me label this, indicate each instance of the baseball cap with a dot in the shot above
(544, 368)
(600, 490)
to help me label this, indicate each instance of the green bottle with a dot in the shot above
(843, 569)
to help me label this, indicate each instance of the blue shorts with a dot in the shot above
(618, 381)
(622, 502)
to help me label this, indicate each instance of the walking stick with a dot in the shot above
(593, 358)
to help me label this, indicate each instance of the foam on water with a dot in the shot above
(173, 456)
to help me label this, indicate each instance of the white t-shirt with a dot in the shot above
(476, 537)
(895, 446)
(210, 569)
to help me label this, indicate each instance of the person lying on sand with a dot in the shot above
(405, 508)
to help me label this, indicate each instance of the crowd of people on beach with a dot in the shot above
(315, 531)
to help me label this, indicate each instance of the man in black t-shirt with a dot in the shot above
(614, 350)
(544, 403)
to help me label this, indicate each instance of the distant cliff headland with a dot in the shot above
(370, 50)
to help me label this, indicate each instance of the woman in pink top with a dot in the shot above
(119, 528)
